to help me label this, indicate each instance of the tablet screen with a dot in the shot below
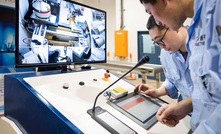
(139, 108)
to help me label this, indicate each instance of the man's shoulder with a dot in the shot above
(166, 57)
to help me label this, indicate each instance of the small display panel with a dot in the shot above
(137, 107)
(115, 123)
(110, 122)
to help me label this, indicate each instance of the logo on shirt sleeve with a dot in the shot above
(200, 41)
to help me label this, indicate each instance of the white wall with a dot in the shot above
(135, 19)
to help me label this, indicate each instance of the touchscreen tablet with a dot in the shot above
(137, 107)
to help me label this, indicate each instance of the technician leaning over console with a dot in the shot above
(204, 47)
(174, 59)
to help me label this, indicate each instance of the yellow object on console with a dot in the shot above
(118, 92)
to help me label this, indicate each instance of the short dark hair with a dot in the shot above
(148, 1)
(151, 23)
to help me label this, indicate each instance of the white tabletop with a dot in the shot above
(74, 102)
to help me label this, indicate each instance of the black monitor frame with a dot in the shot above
(81, 32)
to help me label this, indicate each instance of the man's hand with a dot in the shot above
(150, 91)
(171, 114)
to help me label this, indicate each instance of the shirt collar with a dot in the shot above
(197, 11)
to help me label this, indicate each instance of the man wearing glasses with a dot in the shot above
(204, 47)
(174, 59)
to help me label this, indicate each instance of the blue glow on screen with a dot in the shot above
(7, 59)
(7, 29)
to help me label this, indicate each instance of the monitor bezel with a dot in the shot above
(60, 64)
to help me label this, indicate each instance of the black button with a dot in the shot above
(81, 83)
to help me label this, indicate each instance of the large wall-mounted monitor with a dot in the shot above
(59, 32)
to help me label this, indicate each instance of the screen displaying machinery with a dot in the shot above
(59, 32)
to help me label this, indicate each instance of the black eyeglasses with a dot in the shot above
(160, 42)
